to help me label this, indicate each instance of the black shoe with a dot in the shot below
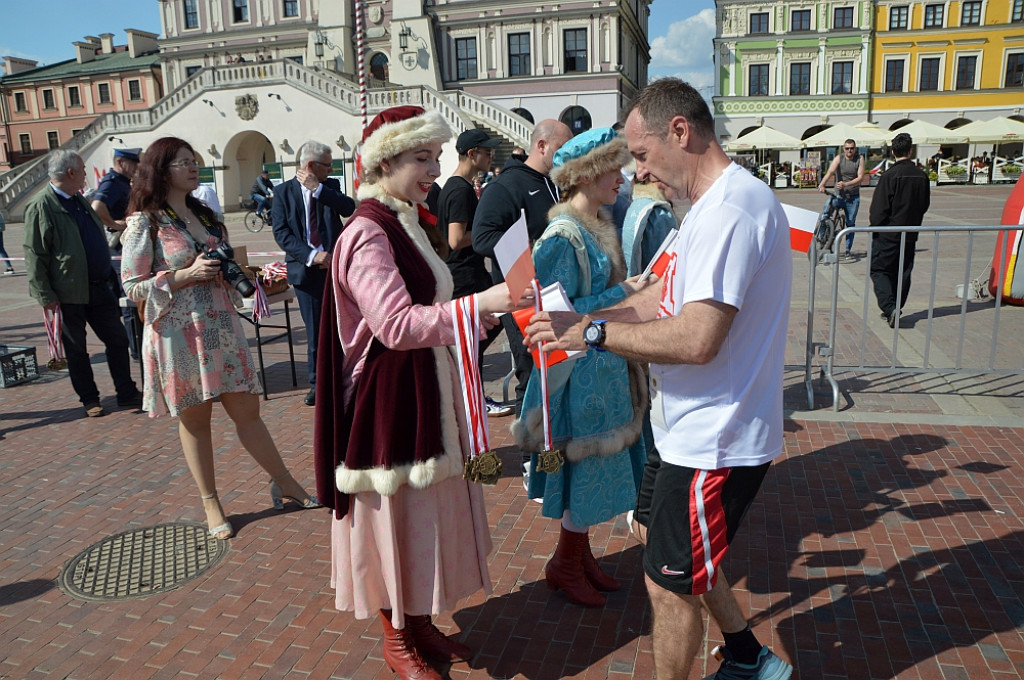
(131, 401)
(310, 399)
(892, 318)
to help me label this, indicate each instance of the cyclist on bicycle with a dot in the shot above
(848, 170)
(263, 193)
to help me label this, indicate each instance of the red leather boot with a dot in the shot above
(400, 652)
(565, 570)
(597, 576)
(433, 644)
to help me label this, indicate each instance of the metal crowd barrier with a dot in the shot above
(896, 363)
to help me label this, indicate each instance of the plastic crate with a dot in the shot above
(17, 365)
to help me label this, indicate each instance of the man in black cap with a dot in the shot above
(110, 203)
(456, 207)
(262, 192)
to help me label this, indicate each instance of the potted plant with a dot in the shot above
(957, 173)
(933, 177)
(1011, 169)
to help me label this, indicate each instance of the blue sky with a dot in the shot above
(681, 31)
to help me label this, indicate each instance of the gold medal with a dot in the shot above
(550, 461)
(484, 468)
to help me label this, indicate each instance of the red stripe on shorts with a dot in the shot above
(708, 528)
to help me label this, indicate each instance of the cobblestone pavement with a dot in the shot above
(886, 542)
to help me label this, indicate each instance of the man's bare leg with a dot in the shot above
(721, 602)
(678, 631)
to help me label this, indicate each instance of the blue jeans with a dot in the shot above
(261, 201)
(850, 206)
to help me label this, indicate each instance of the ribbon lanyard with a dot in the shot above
(54, 322)
(483, 465)
(550, 459)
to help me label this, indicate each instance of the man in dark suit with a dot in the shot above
(307, 212)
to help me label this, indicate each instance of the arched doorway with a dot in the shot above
(902, 122)
(813, 130)
(956, 123)
(747, 130)
(379, 67)
(577, 118)
(523, 113)
(243, 158)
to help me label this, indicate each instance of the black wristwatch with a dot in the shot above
(594, 334)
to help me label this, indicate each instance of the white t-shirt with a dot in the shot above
(733, 247)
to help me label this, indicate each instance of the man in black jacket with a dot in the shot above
(307, 214)
(522, 185)
(262, 191)
(901, 199)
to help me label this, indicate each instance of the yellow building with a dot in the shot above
(947, 63)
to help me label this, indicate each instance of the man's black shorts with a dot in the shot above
(691, 518)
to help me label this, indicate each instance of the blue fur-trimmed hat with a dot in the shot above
(589, 155)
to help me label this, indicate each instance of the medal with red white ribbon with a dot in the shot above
(550, 459)
(54, 321)
(483, 466)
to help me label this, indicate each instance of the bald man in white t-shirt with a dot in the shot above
(714, 332)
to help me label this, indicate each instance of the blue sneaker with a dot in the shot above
(768, 666)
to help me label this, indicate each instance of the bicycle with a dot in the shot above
(255, 220)
(833, 222)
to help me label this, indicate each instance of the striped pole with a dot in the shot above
(361, 59)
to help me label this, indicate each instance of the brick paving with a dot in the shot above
(886, 542)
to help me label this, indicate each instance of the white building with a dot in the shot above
(249, 80)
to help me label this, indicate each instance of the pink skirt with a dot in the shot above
(417, 552)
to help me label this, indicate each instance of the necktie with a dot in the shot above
(314, 223)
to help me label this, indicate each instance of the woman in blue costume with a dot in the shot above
(597, 400)
(649, 219)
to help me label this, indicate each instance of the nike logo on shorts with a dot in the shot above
(535, 191)
(671, 572)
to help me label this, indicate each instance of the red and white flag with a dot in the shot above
(512, 252)
(802, 223)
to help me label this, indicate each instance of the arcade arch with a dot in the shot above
(577, 118)
(244, 156)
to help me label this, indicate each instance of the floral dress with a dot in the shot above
(193, 345)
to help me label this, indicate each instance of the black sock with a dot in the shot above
(743, 646)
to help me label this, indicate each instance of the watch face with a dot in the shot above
(591, 334)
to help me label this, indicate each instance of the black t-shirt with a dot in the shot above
(457, 203)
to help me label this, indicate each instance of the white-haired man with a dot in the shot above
(68, 265)
(307, 212)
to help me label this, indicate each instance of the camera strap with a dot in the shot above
(211, 228)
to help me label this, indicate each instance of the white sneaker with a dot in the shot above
(8, 272)
(498, 410)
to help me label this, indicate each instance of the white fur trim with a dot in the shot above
(451, 462)
(529, 434)
(391, 139)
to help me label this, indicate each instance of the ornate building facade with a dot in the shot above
(948, 62)
(249, 80)
(796, 66)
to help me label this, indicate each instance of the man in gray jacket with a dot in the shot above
(69, 269)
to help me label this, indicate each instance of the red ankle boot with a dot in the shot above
(433, 644)
(565, 571)
(597, 576)
(400, 652)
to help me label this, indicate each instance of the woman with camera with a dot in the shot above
(193, 346)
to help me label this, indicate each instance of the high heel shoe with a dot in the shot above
(221, 531)
(277, 496)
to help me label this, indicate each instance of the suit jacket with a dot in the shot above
(54, 255)
(289, 217)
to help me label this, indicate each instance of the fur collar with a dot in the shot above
(603, 230)
(648, 190)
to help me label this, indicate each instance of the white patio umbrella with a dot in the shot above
(999, 130)
(763, 137)
(923, 132)
(840, 132)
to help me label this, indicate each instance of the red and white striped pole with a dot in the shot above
(361, 59)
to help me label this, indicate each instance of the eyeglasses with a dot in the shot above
(326, 165)
(185, 163)
(850, 148)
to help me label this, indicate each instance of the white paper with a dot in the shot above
(509, 251)
(554, 299)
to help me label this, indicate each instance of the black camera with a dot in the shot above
(232, 273)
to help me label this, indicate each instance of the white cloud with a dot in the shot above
(687, 46)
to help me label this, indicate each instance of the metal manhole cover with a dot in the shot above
(141, 562)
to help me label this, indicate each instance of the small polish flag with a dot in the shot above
(801, 226)
(659, 263)
(512, 252)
